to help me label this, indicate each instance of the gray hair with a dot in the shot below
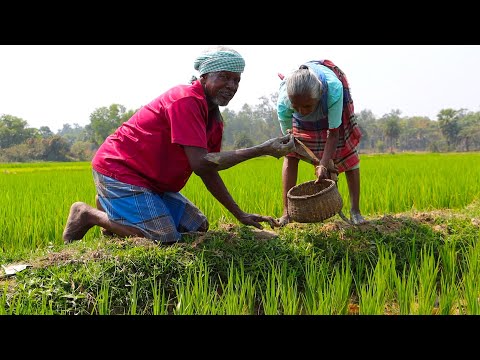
(304, 82)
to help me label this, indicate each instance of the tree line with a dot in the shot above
(453, 130)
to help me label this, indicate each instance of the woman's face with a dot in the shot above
(303, 104)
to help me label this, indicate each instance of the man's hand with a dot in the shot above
(255, 220)
(280, 146)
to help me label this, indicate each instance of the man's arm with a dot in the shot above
(208, 172)
(276, 147)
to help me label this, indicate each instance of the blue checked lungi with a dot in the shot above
(161, 217)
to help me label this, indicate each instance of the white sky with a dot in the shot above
(50, 85)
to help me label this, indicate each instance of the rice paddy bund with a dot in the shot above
(418, 254)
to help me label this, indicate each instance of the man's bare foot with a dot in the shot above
(77, 222)
(284, 220)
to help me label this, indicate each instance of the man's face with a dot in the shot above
(220, 86)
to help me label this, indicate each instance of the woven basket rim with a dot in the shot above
(320, 193)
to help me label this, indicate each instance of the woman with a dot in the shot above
(315, 104)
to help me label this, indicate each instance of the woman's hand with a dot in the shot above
(321, 172)
(326, 172)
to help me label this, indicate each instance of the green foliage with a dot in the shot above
(104, 121)
(449, 124)
(44, 132)
(82, 151)
(73, 133)
(455, 130)
(392, 131)
(13, 131)
(242, 141)
(53, 148)
(380, 146)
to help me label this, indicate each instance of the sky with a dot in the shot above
(51, 85)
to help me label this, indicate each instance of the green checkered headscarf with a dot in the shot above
(222, 60)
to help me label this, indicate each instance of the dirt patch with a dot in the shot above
(231, 232)
(264, 234)
(67, 256)
(132, 241)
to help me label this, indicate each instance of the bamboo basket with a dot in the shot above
(309, 202)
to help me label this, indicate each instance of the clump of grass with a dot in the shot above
(238, 292)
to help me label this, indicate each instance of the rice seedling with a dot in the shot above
(427, 282)
(238, 293)
(406, 289)
(471, 285)
(160, 299)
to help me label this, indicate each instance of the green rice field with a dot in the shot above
(419, 254)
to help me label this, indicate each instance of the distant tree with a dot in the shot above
(56, 149)
(274, 99)
(266, 120)
(82, 151)
(16, 153)
(242, 140)
(228, 119)
(104, 121)
(89, 135)
(73, 133)
(448, 120)
(418, 132)
(368, 126)
(391, 127)
(45, 132)
(380, 146)
(243, 121)
(392, 131)
(13, 131)
(469, 133)
(65, 130)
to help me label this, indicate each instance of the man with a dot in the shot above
(140, 168)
